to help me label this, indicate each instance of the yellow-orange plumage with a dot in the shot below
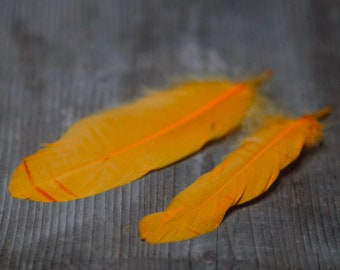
(243, 175)
(118, 146)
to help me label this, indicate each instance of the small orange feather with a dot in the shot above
(118, 146)
(244, 174)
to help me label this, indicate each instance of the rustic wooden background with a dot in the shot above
(61, 60)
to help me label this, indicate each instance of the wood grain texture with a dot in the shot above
(61, 60)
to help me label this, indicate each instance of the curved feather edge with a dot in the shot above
(243, 175)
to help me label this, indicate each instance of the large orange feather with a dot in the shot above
(118, 146)
(243, 175)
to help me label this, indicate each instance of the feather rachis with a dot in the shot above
(243, 175)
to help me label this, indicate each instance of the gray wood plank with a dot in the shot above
(62, 60)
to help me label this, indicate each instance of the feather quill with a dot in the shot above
(118, 146)
(243, 175)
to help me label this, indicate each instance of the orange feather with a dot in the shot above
(118, 146)
(244, 174)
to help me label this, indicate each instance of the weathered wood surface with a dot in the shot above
(61, 60)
